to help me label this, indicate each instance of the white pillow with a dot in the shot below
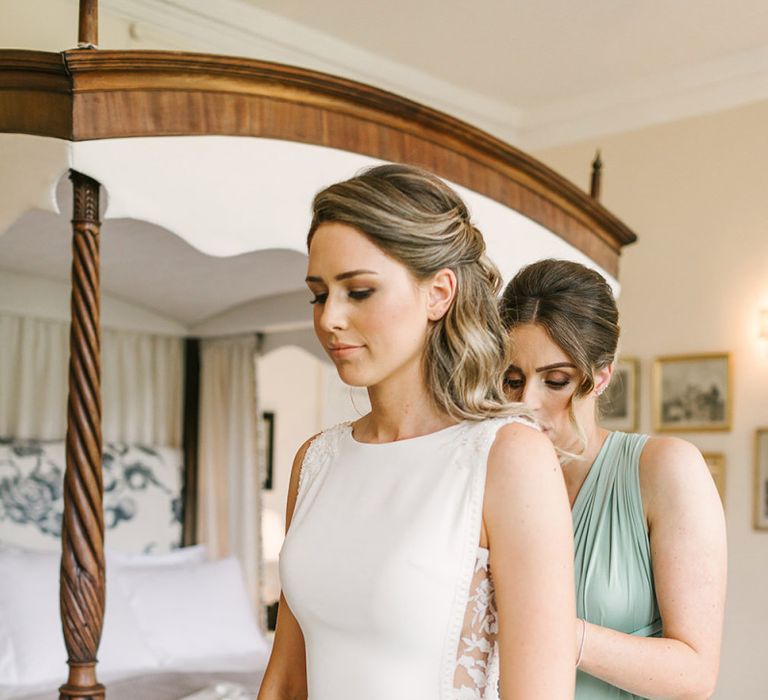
(32, 647)
(184, 555)
(193, 611)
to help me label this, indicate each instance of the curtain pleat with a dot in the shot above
(141, 378)
(230, 462)
(142, 387)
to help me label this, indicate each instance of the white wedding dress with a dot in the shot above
(382, 569)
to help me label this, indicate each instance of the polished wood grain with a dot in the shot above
(35, 94)
(118, 94)
(190, 441)
(82, 534)
(115, 94)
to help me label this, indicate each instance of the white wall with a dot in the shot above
(51, 25)
(696, 193)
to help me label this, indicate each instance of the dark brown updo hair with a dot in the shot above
(575, 305)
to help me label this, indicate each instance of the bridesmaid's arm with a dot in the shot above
(688, 555)
(285, 677)
(528, 524)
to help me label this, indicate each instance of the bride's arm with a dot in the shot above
(528, 524)
(285, 677)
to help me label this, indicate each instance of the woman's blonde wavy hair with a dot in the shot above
(414, 217)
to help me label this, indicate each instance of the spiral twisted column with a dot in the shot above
(82, 550)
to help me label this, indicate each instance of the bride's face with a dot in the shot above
(370, 313)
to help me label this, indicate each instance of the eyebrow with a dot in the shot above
(343, 275)
(556, 365)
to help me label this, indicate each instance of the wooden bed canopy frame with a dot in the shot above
(88, 94)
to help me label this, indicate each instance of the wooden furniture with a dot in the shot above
(88, 94)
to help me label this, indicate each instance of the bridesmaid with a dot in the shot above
(650, 550)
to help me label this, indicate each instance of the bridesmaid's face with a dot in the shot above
(545, 378)
(370, 313)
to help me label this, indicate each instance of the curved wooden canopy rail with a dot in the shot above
(86, 94)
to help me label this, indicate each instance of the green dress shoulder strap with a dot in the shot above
(614, 578)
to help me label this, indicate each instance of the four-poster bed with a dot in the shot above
(225, 154)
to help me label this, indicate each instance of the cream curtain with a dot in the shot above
(230, 462)
(141, 382)
(34, 354)
(142, 379)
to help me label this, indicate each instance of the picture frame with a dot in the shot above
(268, 431)
(692, 393)
(716, 463)
(619, 405)
(760, 488)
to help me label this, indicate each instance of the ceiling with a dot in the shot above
(536, 74)
(147, 266)
(530, 54)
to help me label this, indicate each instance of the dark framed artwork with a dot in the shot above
(760, 487)
(268, 431)
(692, 393)
(716, 463)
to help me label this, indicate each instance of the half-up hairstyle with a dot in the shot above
(415, 218)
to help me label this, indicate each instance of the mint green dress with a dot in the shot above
(614, 579)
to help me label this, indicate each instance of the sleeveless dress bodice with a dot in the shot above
(614, 578)
(382, 570)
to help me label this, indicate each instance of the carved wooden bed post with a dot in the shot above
(82, 553)
(88, 27)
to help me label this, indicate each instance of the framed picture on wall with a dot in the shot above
(619, 404)
(761, 479)
(692, 392)
(716, 463)
(268, 431)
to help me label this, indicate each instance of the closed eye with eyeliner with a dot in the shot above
(545, 378)
(354, 294)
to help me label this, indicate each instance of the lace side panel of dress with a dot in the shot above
(476, 673)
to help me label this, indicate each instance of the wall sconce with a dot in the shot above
(763, 327)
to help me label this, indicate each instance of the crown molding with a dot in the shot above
(237, 28)
(725, 83)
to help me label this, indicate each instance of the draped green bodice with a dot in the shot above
(614, 579)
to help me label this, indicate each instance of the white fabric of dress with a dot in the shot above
(382, 569)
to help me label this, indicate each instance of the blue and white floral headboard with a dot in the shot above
(142, 495)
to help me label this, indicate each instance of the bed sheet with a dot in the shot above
(174, 685)
(224, 678)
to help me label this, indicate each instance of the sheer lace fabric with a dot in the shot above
(476, 675)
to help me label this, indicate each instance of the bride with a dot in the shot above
(429, 550)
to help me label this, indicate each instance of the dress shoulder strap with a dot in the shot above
(620, 463)
(481, 436)
(470, 666)
(319, 454)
